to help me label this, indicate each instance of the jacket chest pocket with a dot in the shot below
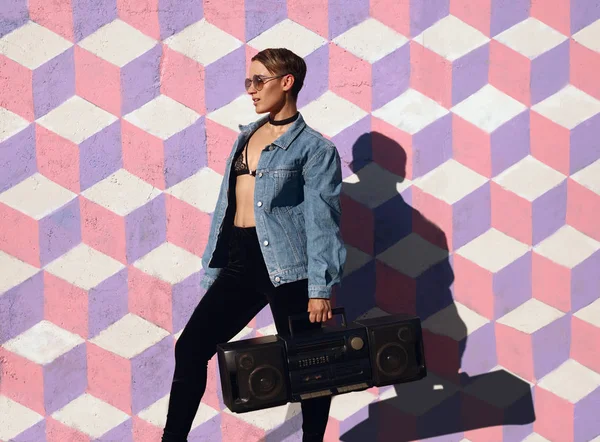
(288, 187)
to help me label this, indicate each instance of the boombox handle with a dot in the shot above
(334, 311)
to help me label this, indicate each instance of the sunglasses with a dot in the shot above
(258, 81)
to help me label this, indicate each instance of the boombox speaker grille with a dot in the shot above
(253, 376)
(396, 349)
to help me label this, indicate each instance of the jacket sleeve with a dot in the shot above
(210, 275)
(322, 213)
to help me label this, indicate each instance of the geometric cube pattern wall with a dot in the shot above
(469, 135)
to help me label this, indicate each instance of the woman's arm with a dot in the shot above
(322, 212)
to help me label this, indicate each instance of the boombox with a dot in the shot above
(273, 370)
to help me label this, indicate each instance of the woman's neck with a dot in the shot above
(288, 110)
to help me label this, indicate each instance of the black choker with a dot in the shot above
(286, 121)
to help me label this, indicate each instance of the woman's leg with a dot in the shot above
(228, 305)
(289, 299)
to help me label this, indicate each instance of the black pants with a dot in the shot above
(241, 290)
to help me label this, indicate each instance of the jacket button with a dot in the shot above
(277, 279)
(259, 203)
(265, 242)
(260, 174)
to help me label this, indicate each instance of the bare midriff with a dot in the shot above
(244, 198)
(245, 180)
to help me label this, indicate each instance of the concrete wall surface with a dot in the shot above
(469, 132)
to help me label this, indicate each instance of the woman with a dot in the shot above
(274, 238)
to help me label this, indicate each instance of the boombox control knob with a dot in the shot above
(356, 343)
(246, 362)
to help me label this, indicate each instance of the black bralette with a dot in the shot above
(239, 166)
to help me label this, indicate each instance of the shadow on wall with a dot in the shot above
(413, 274)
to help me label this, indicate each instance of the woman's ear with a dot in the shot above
(288, 82)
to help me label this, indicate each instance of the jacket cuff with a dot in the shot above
(319, 292)
(206, 281)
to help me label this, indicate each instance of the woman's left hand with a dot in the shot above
(319, 309)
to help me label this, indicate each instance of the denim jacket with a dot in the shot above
(296, 208)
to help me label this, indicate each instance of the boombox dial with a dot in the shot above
(356, 343)
(246, 361)
(405, 334)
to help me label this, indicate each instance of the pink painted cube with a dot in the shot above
(183, 79)
(45, 378)
(567, 403)
(421, 130)
(347, 69)
(558, 15)
(583, 200)
(117, 67)
(457, 200)
(19, 148)
(496, 406)
(142, 15)
(529, 201)
(16, 88)
(58, 158)
(357, 225)
(460, 341)
(92, 140)
(95, 286)
(220, 139)
(449, 61)
(564, 128)
(585, 59)
(585, 336)
(130, 364)
(395, 15)
(417, 420)
(370, 53)
(27, 68)
(123, 216)
(21, 296)
(89, 418)
(490, 16)
(345, 414)
(168, 276)
(187, 211)
(226, 54)
(163, 142)
(492, 284)
(529, 61)
(490, 131)
(233, 22)
(566, 281)
(395, 292)
(39, 220)
(533, 339)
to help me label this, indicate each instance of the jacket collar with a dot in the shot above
(285, 139)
